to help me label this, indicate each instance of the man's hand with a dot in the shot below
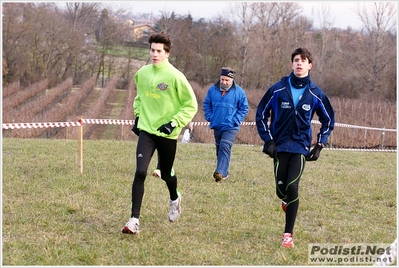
(315, 153)
(270, 149)
(167, 128)
(135, 129)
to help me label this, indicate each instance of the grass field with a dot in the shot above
(54, 215)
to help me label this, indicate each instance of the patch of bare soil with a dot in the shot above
(107, 110)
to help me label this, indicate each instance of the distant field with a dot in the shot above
(53, 215)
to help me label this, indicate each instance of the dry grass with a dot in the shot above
(53, 215)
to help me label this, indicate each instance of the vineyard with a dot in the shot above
(66, 102)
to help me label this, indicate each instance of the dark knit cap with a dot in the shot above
(228, 72)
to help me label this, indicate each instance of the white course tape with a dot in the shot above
(131, 122)
(39, 125)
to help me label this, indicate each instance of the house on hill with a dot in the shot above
(140, 31)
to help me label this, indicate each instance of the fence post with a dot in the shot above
(80, 144)
(383, 138)
(66, 132)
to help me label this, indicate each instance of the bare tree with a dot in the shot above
(378, 54)
(47, 41)
(109, 32)
(166, 21)
(267, 33)
(244, 12)
(38, 44)
(82, 15)
(216, 42)
(325, 43)
(14, 36)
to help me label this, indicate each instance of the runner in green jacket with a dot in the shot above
(165, 103)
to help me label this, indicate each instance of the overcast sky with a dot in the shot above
(341, 11)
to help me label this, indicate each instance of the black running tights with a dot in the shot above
(146, 146)
(288, 169)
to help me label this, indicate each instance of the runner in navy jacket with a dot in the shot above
(290, 126)
(290, 105)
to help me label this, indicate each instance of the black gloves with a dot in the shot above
(315, 153)
(135, 128)
(167, 128)
(270, 149)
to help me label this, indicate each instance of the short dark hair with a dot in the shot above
(161, 38)
(304, 52)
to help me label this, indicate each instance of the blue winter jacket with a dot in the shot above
(228, 111)
(290, 127)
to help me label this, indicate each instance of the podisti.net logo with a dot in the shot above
(349, 253)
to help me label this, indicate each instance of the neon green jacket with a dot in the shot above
(163, 95)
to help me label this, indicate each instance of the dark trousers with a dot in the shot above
(288, 169)
(146, 146)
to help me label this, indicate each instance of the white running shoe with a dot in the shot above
(175, 208)
(132, 226)
(157, 173)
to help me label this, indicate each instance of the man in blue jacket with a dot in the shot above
(225, 107)
(290, 105)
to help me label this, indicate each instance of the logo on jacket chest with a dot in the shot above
(306, 107)
(285, 105)
(162, 86)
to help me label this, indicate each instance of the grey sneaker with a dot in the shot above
(132, 226)
(175, 208)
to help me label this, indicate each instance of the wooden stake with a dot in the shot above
(80, 143)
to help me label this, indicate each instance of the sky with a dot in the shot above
(342, 13)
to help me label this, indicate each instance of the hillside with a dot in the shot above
(92, 102)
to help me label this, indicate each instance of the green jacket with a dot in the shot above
(163, 95)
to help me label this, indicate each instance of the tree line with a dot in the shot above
(47, 41)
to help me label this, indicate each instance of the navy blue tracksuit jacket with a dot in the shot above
(290, 126)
